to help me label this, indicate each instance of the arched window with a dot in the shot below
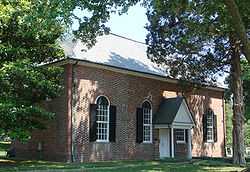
(147, 121)
(209, 126)
(102, 118)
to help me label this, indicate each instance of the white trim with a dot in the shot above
(146, 100)
(186, 109)
(126, 71)
(189, 156)
(182, 126)
(172, 142)
(101, 95)
(158, 126)
(101, 141)
(174, 125)
(180, 142)
(184, 136)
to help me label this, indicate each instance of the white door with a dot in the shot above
(164, 146)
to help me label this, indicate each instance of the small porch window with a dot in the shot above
(180, 135)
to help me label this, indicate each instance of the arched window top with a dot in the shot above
(146, 105)
(209, 111)
(102, 100)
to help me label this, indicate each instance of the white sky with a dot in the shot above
(131, 25)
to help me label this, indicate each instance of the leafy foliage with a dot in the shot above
(229, 126)
(246, 86)
(191, 37)
(23, 87)
(29, 31)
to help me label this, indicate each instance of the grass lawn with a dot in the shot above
(4, 146)
(121, 166)
(195, 165)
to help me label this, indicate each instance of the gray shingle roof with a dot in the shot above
(115, 51)
(167, 110)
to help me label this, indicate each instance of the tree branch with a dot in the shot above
(239, 26)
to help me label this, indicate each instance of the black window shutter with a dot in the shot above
(186, 135)
(215, 127)
(204, 121)
(112, 123)
(92, 123)
(139, 125)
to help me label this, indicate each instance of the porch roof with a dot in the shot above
(173, 110)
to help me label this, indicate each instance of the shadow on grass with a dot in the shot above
(4, 146)
(195, 165)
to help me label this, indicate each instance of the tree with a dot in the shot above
(23, 87)
(29, 31)
(23, 83)
(196, 40)
(246, 84)
(238, 24)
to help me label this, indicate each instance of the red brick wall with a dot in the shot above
(126, 92)
(198, 104)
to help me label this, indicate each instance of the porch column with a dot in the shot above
(189, 155)
(172, 142)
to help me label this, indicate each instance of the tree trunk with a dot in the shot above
(238, 108)
(239, 27)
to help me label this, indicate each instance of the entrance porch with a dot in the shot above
(174, 122)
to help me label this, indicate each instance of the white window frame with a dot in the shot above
(148, 125)
(103, 122)
(184, 136)
(210, 127)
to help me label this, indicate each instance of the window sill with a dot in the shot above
(102, 141)
(147, 142)
(180, 142)
(209, 141)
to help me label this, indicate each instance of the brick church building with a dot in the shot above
(117, 105)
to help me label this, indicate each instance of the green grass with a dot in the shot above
(121, 166)
(4, 146)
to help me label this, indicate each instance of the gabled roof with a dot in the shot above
(114, 50)
(173, 110)
(168, 110)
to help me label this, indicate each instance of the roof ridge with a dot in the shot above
(127, 38)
